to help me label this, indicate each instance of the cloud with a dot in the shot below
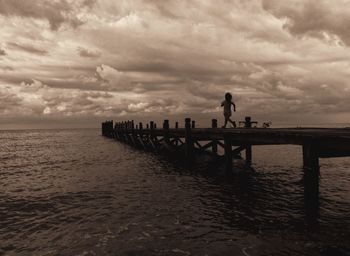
(8, 101)
(113, 78)
(146, 59)
(26, 48)
(88, 53)
(55, 12)
(2, 52)
(319, 18)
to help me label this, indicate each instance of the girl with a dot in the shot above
(227, 109)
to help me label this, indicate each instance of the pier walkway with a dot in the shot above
(316, 142)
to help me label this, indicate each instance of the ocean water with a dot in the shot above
(74, 192)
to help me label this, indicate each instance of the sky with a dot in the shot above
(75, 63)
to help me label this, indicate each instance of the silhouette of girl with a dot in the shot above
(227, 103)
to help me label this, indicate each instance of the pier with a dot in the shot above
(232, 143)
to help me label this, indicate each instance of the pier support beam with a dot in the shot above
(188, 139)
(214, 125)
(248, 154)
(228, 154)
(311, 172)
(248, 147)
(310, 157)
(166, 131)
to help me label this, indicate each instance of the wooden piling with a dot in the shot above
(228, 153)
(248, 147)
(189, 144)
(310, 156)
(166, 131)
(214, 147)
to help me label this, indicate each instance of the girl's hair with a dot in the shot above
(228, 96)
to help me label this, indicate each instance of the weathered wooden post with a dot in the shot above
(228, 153)
(189, 144)
(193, 124)
(155, 126)
(151, 126)
(140, 126)
(248, 148)
(166, 131)
(132, 133)
(147, 126)
(214, 125)
(310, 156)
(110, 129)
(116, 130)
(311, 172)
(176, 140)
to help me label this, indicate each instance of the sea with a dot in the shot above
(75, 192)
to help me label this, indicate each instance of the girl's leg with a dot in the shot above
(226, 119)
(232, 122)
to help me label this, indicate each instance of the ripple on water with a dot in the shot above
(73, 192)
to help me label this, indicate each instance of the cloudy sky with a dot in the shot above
(77, 62)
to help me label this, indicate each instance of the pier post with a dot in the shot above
(188, 139)
(193, 124)
(311, 174)
(310, 156)
(140, 126)
(151, 136)
(166, 131)
(248, 148)
(228, 154)
(176, 139)
(214, 125)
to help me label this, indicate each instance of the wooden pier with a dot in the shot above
(316, 143)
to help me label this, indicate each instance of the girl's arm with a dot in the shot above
(234, 106)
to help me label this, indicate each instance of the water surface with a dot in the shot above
(73, 192)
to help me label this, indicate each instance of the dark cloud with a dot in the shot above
(55, 12)
(8, 100)
(2, 52)
(144, 59)
(88, 53)
(313, 17)
(26, 48)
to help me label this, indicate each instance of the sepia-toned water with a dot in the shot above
(74, 192)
